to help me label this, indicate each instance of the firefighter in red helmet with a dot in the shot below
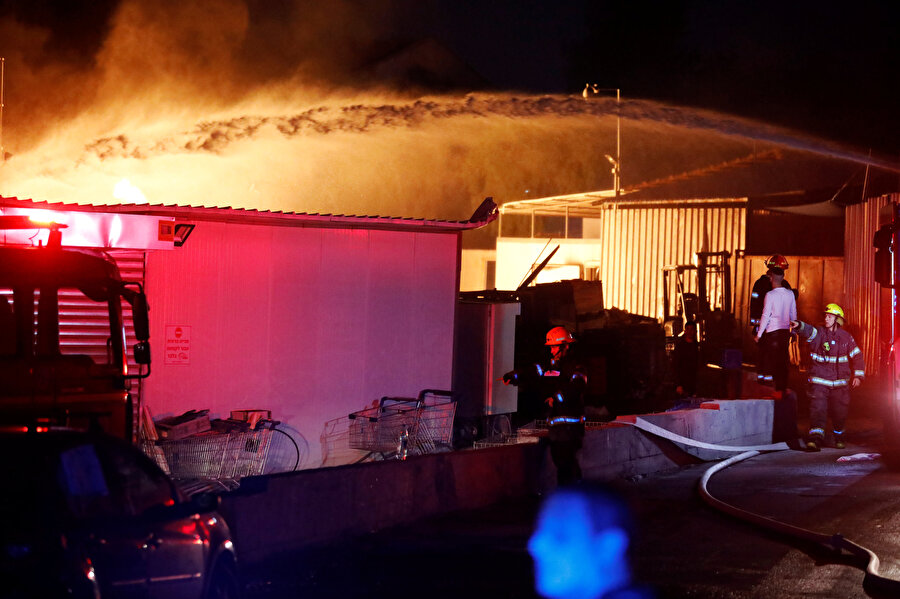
(777, 261)
(837, 367)
(773, 334)
(763, 285)
(561, 382)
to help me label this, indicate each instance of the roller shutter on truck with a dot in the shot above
(84, 326)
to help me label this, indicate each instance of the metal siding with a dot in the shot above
(671, 250)
(638, 283)
(818, 280)
(639, 242)
(131, 268)
(84, 325)
(861, 292)
(622, 265)
(809, 278)
(655, 241)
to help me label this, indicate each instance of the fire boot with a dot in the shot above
(815, 440)
(839, 440)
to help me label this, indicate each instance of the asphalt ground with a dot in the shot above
(682, 548)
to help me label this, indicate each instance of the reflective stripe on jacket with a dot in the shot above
(836, 359)
(560, 383)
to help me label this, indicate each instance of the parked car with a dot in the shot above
(90, 516)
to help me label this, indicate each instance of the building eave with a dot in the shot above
(266, 217)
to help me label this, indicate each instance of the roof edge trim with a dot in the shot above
(480, 218)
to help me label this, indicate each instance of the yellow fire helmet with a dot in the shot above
(837, 311)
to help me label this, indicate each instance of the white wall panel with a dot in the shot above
(310, 323)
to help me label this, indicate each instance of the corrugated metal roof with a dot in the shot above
(770, 178)
(486, 213)
(591, 204)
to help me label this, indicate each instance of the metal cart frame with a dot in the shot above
(217, 455)
(427, 420)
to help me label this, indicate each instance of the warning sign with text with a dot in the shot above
(178, 344)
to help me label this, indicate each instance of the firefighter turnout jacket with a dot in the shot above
(561, 384)
(836, 359)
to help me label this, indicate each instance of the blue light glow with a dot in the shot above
(572, 560)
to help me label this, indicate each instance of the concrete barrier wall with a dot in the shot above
(271, 514)
(622, 451)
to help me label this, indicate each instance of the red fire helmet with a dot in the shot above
(559, 336)
(777, 261)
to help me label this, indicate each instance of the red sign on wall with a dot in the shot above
(178, 344)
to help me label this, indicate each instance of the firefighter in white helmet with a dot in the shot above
(562, 383)
(837, 366)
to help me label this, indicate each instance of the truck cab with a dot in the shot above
(62, 341)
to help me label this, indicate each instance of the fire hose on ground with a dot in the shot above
(837, 542)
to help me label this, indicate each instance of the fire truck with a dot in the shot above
(887, 273)
(63, 358)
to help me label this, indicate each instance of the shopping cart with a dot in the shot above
(426, 422)
(217, 455)
(503, 441)
(540, 428)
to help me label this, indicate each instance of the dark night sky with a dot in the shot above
(822, 67)
(829, 68)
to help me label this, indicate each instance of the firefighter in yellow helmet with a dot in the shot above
(561, 382)
(837, 366)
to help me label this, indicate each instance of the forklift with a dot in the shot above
(702, 294)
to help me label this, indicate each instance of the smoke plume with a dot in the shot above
(270, 105)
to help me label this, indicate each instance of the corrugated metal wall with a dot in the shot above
(819, 280)
(639, 242)
(131, 268)
(84, 326)
(862, 293)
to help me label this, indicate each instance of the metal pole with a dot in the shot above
(617, 171)
(618, 140)
(2, 75)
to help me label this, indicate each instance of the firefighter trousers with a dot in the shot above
(774, 357)
(565, 441)
(824, 402)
